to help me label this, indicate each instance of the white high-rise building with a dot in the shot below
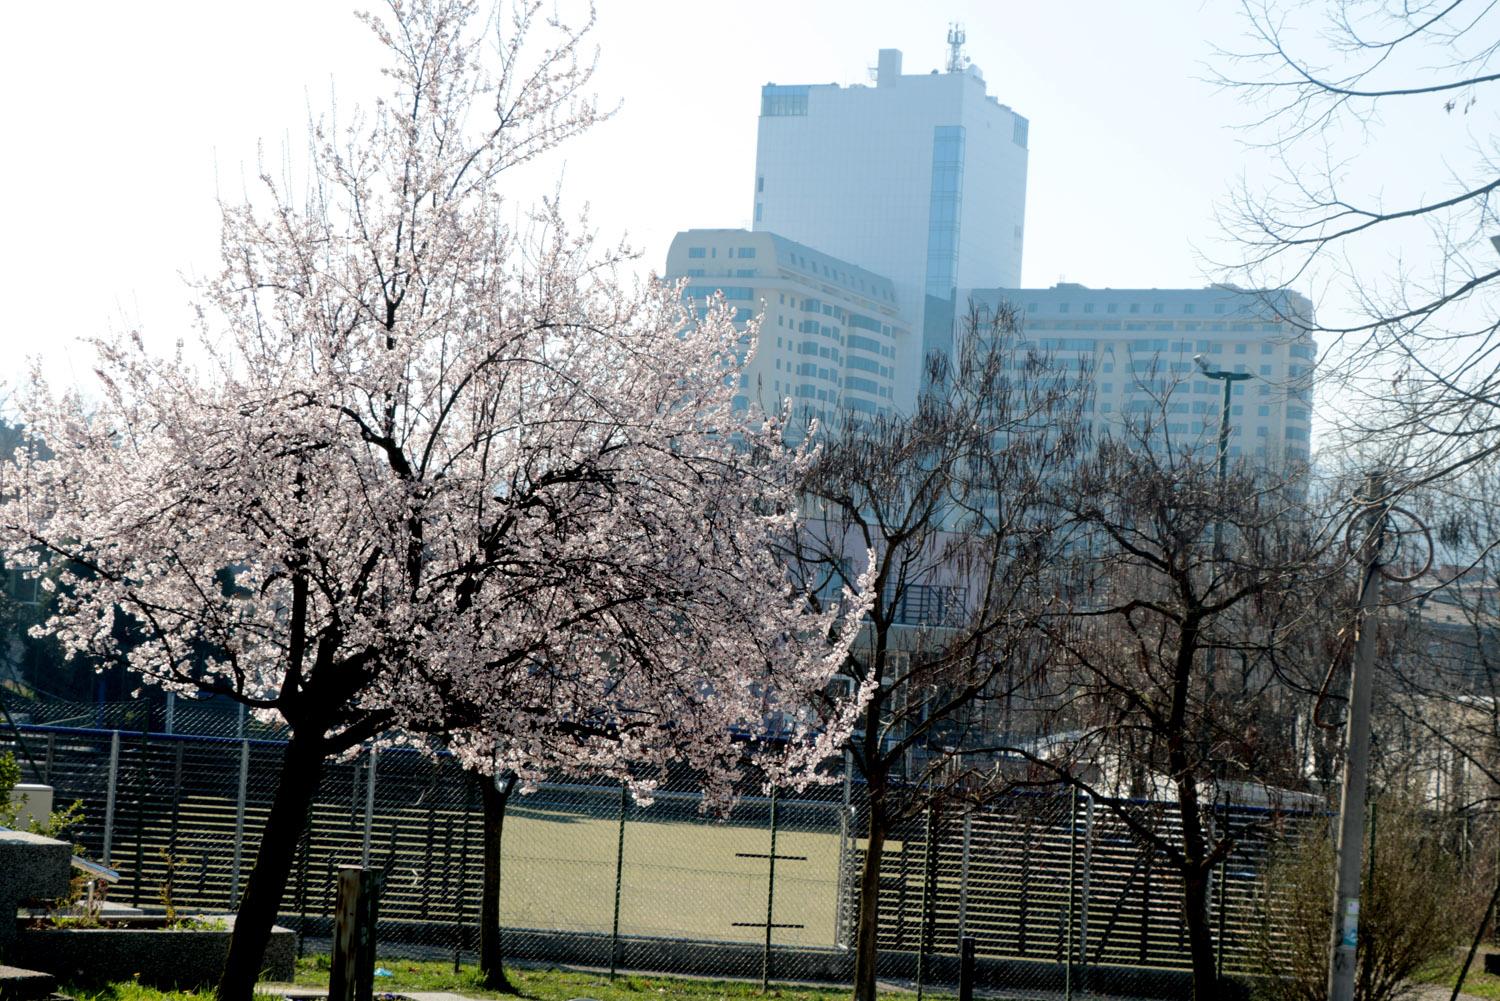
(830, 332)
(921, 178)
(1141, 346)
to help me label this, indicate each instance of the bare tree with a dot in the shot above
(1381, 187)
(947, 503)
(1147, 606)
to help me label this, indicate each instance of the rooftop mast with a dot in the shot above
(956, 48)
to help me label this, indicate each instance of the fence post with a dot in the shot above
(140, 809)
(301, 897)
(765, 960)
(471, 786)
(963, 876)
(924, 926)
(1088, 871)
(840, 922)
(171, 720)
(966, 968)
(614, 933)
(1025, 882)
(1219, 943)
(109, 796)
(176, 819)
(364, 850)
(1072, 885)
(239, 818)
(1223, 899)
(352, 970)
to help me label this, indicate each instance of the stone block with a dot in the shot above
(31, 868)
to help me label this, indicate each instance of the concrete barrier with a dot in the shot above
(32, 868)
(169, 958)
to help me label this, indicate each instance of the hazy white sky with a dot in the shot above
(123, 118)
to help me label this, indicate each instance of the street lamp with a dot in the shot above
(1229, 379)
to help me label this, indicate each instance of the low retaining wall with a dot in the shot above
(162, 957)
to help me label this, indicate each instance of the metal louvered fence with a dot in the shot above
(1059, 896)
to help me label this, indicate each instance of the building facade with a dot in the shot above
(1140, 346)
(921, 178)
(831, 333)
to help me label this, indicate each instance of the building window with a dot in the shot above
(760, 184)
(697, 252)
(747, 252)
(776, 102)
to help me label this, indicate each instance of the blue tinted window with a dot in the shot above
(779, 101)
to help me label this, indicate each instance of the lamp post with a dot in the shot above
(1229, 379)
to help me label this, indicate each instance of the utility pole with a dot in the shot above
(1341, 964)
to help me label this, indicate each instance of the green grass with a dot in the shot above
(558, 985)
(1445, 971)
(534, 985)
(129, 990)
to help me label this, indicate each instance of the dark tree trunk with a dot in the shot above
(1200, 935)
(1196, 864)
(1196, 868)
(491, 957)
(301, 770)
(867, 927)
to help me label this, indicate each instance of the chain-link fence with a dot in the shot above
(1056, 890)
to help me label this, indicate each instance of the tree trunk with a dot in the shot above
(301, 770)
(1200, 935)
(868, 925)
(491, 957)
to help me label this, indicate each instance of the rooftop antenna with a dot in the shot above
(956, 48)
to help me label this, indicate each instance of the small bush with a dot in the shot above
(1418, 906)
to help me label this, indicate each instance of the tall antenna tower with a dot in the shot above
(956, 48)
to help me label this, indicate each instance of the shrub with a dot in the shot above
(1416, 906)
